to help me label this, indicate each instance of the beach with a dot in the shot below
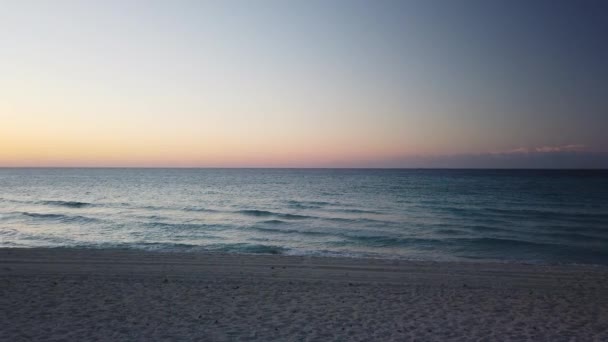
(96, 294)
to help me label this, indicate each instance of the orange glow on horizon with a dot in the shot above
(27, 150)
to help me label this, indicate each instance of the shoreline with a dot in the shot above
(346, 257)
(72, 294)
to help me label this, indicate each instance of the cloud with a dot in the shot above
(543, 149)
(573, 156)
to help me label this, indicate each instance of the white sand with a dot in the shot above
(88, 295)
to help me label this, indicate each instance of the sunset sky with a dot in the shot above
(304, 83)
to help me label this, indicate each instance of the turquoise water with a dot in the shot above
(482, 215)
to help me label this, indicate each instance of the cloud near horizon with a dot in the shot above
(544, 149)
(572, 156)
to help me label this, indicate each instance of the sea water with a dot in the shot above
(536, 216)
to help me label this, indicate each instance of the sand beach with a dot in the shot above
(125, 295)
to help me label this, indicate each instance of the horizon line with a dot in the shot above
(300, 168)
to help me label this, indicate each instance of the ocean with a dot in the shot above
(531, 216)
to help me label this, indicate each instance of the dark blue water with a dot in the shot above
(482, 215)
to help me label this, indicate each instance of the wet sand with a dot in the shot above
(118, 295)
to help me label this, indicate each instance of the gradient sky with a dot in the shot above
(304, 84)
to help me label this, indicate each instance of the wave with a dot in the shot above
(61, 217)
(79, 204)
(187, 226)
(510, 249)
(492, 242)
(552, 215)
(307, 204)
(356, 211)
(199, 209)
(358, 220)
(273, 222)
(37, 215)
(69, 204)
(581, 235)
(385, 241)
(417, 243)
(14, 200)
(150, 246)
(7, 216)
(263, 213)
(151, 207)
(569, 237)
(38, 239)
(509, 214)
(347, 238)
(544, 212)
(451, 232)
(156, 218)
(10, 244)
(290, 231)
(256, 212)
(247, 248)
(458, 243)
(598, 229)
(484, 229)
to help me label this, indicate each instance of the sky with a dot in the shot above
(332, 83)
